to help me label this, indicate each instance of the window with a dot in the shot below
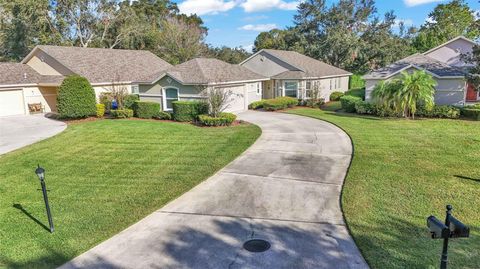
(135, 89)
(259, 88)
(308, 89)
(291, 88)
(171, 94)
(331, 84)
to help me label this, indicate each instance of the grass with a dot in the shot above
(402, 172)
(102, 177)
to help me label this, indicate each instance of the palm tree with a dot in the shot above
(416, 87)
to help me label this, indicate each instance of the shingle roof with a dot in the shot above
(106, 65)
(208, 70)
(22, 74)
(419, 61)
(312, 68)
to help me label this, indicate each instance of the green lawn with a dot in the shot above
(102, 177)
(402, 172)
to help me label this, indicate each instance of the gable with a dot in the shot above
(44, 64)
(266, 65)
(451, 53)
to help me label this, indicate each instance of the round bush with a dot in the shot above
(335, 96)
(348, 102)
(146, 110)
(100, 110)
(76, 98)
(188, 110)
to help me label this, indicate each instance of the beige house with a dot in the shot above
(36, 79)
(444, 63)
(293, 74)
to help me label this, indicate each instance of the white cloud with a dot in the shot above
(260, 5)
(406, 22)
(258, 27)
(412, 3)
(248, 48)
(205, 7)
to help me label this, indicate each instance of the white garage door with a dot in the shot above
(237, 99)
(11, 103)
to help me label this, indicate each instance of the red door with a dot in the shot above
(471, 93)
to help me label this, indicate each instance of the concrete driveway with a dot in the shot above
(20, 131)
(284, 189)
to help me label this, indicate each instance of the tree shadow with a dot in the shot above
(351, 115)
(20, 207)
(468, 178)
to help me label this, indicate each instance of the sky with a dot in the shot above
(236, 23)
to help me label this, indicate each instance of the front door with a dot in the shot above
(472, 95)
(291, 88)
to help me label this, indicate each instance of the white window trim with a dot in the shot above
(259, 88)
(164, 99)
(298, 86)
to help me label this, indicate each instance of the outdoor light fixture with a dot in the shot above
(41, 175)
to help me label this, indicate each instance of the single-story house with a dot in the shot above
(36, 79)
(293, 74)
(446, 65)
(190, 81)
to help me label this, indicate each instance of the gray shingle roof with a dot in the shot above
(106, 65)
(312, 68)
(420, 61)
(22, 74)
(200, 71)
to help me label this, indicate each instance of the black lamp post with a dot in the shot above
(41, 175)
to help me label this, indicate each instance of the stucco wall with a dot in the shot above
(46, 65)
(45, 95)
(451, 53)
(267, 65)
(108, 88)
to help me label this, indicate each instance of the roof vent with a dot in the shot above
(24, 75)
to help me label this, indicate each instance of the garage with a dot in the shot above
(11, 102)
(237, 101)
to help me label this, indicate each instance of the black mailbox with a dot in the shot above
(438, 229)
(457, 228)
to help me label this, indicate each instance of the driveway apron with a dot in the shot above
(285, 189)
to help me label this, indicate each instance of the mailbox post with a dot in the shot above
(452, 228)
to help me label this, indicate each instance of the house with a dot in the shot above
(293, 74)
(190, 81)
(446, 65)
(36, 79)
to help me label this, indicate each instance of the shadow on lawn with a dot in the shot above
(351, 115)
(468, 178)
(20, 207)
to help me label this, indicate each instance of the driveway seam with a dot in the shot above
(281, 178)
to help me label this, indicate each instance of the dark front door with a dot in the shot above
(472, 95)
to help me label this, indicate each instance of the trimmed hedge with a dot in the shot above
(225, 119)
(471, 112)
(146, 109)
(130, 100)
(348, 103)
(443, 111)
(335, 96)
(256, 104)
(100, 110)
(279, 103)
(162, 115)
(188, 110)
(76, 98)
(121, 113)
(362, 107)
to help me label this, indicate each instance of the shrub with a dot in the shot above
(162, 115)
(385, 111)
(360, 92)
(256, 104)
(348, 103)
(362, 107)
(335, 96)
(314, 103)
(471, 112)
(443, 111)
(188, 110)
(225, 119)
(121, 113)
(356, 82)
(100, 110)
(129, 101)
(76, 98)
(106, 99)
(279, 103)
(146, 110)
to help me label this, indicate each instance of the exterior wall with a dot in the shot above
(254, 92)
(267, 65)
(451, 52)
(45, 95)
(44, 64)
(107, 88)
(326, 86)
(447, 92)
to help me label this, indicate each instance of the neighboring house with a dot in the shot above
(191, 80)
(293, 74)
(36, 79)
(446, 65)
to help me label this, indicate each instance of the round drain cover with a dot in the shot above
(256, 245)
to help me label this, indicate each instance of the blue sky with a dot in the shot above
(237, 22)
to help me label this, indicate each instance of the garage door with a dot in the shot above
(237, 99)
(11, 103)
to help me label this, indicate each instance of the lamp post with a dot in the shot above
(41, 175)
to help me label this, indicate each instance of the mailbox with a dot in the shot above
(457, 228)
(438, 229)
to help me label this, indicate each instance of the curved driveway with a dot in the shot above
(285, 189)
